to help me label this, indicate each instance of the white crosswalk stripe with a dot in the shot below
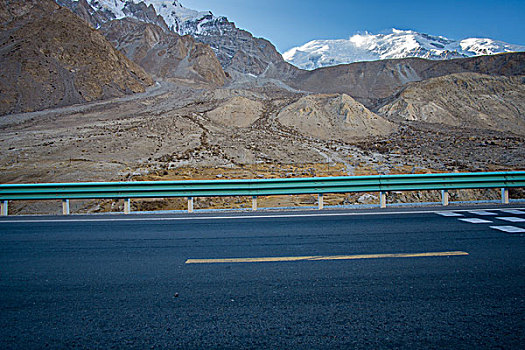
(448, 213)
(491, 212)
(511, 219)
(476, 221)
(482, 212)
(509, 229)
(514, 211)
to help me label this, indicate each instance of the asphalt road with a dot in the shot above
(103, 282)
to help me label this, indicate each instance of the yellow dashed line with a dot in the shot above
(323, 258)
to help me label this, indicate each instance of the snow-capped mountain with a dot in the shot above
(396, 44)
(237, 50)
(177, 17)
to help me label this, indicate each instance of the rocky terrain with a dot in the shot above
(163, 54)
(50, 58)
(466, 99)
(96, 13)
(203, 119)
(333, 117)
(238, 51)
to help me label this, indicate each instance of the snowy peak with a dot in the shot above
(483, 46)
(395, 44)
(176, 10)
(177, 17)
(112, 8)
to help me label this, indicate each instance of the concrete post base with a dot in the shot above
(505, 196)
(65, 206)
(190, 204)
(382, 199)
(127, 206)
(444, 197)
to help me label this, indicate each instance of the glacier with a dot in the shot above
(394, 44)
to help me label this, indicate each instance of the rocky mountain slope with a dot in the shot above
(396, 44)
(164, 54)
(50, 58)
(238, 51)
(97, 13)
(370, 82)
(466, 99)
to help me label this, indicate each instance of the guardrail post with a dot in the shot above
(382, 199)
(505, 196)
(4, 208)
(190, 204)
(444, 197)
(320, 201)
(65, 206)
(127, 206)
(254, 203)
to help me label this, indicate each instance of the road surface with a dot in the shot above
(333, 279)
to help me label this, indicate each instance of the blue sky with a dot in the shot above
(289, 23)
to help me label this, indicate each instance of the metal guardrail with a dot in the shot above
(261, 187)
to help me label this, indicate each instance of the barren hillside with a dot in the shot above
(467, 99)
(164, 55)
(48, 57)
(334, 117)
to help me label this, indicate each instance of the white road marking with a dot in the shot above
(448, 213)
(514, 211)
(476, 221)
(271, 216)
(509, 229)
(511, 219)
(482, 212)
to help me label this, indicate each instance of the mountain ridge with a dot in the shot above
(396, 44)
(371, 81)
(238, 50)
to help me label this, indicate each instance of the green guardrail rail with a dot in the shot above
(262, 187)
